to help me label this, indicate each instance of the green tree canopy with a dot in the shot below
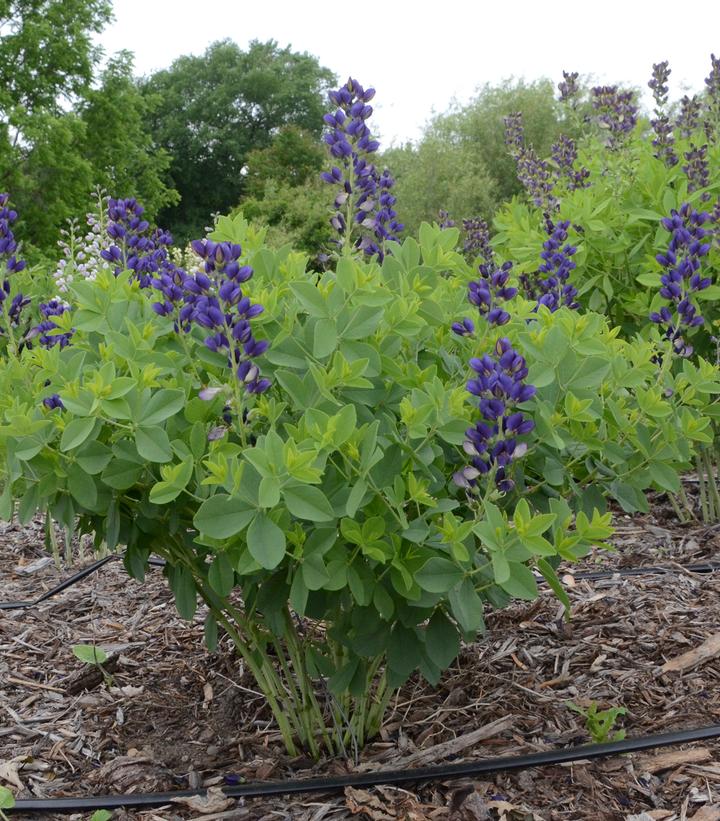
(216, 108)
(46, 50)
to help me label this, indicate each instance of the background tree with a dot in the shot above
(118, 142)
(46, 50)
(216, 108)
(461, 163)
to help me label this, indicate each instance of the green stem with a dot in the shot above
(714, 495)
(701, 490)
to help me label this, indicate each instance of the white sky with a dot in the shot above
(419, 55)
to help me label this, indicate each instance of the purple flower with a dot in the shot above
(444, 220)
(489, 292)
(658, 83)
(550, 284)
(213, 299)
(53, 401)
(697, 170)
(477, 239)
(564, 155)
(569, 88)
(55, 307)
(682, 280)
(492, 442)
(616, 112)
(11, 307)
(365, 215)
(535, 174)
(690, 109)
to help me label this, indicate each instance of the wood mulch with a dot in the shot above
(175, 717)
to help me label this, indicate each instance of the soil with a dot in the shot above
(173, 716)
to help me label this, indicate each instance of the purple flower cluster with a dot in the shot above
(477, 239)
(213, 299)
(53, 401)
(682, 279)
(514, 134)
(616, 112)
(492, 442)
(689, 117)
(489, 293)
(552, 276)
(444, 220)
(697, 170)
(564, 155)
(659, 83)
(535, 174)
(364, 200)
(11, 263)
(135, 246)
(55, 307)
(569, 88)
(661, 125)
(712, 81)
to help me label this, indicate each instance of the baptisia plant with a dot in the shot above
(301, 492)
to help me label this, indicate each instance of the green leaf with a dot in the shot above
(76, 433)
(222, 516)
(121, 474)
(210, 632)
(467, 607)
(324, 338)
(555, 585)
(153, 444)
(82, 486)
(356, 496)
(269, 492)
(500, 566)
(307, 502)
(521, 583)
(339, 682)
(310, 298)
(94, 457)
(438, 575)
(89, 654)
(266, 541)
(7, 801)
(403, 651)
(664, 476)
(221, 574)
(161, 406)
(442, 642)
(185, 592)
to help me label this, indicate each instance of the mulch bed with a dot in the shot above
(175, 717)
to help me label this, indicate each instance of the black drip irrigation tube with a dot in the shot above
(334, 784)
(589, 575)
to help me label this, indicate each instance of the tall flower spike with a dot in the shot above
(564, 155)
(697, 170)
(364, 216)
(682, 280)
(659, 83)
(661, 125)
(492, 443)
(477, 239)
(11, 307)
(712, 83)
(552, 276)
(569, 88)
(689, 117)
(616, 112)
(214, 300)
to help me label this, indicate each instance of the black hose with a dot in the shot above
(591, 575)
(332, 784)
(81, 574)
